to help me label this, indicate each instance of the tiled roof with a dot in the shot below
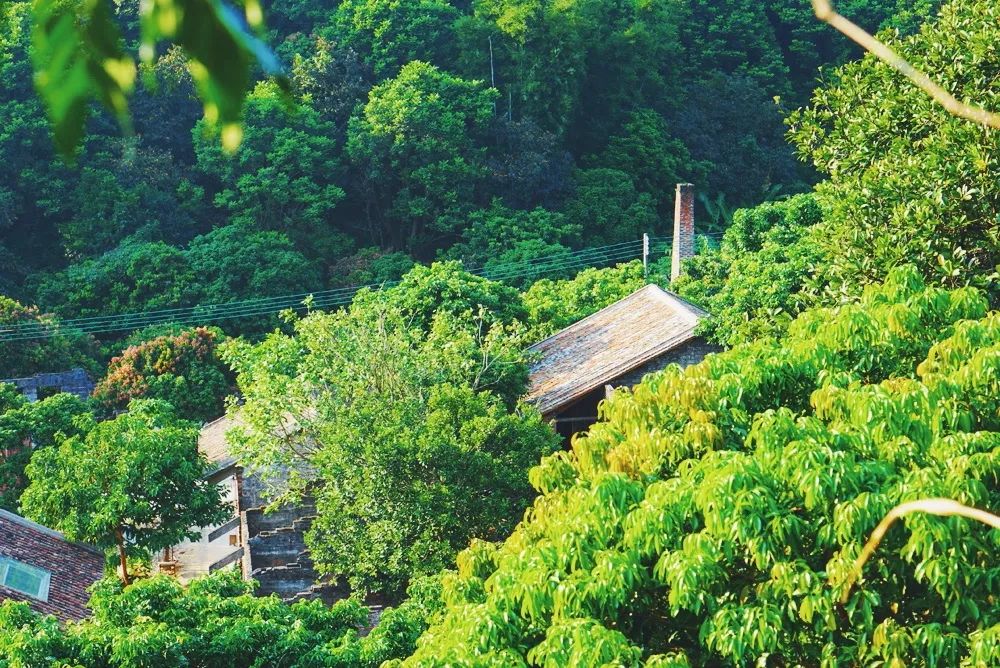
(212, 441)
(609, 343)
(73, 566)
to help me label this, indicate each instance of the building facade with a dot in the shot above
(264, 544)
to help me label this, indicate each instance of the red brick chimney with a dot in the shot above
(683, 228)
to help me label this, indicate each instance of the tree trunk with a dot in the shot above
(120, 539)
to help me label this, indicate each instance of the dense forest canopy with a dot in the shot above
(417, 127)
(713, 514)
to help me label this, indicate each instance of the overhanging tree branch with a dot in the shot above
(941, 507)
(826, 13)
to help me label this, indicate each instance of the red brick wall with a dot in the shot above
(74, 568)
(683, 241)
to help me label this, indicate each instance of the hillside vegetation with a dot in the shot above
(714, 513)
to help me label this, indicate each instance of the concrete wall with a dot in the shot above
(195, 558)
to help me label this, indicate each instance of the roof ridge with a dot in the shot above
(660, 292)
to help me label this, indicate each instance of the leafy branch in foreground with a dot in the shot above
(78, 57)
(825, 12)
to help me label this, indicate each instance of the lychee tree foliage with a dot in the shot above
(713, 516)
(759, 277)
(182, 369)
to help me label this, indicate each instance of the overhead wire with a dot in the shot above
(246, 308)
(320, 299)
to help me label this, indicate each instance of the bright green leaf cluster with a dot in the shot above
(713, 516)
(909, 182)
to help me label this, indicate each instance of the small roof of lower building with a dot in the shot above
(42, 568)
(212, 441)
(610, 343)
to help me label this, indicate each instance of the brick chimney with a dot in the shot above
(683, 228)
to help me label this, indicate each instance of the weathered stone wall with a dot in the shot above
(276, 554)
(74, 381)
(690, 353)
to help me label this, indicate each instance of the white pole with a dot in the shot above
(645, 255)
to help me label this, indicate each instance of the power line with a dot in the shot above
(320, 299)
(326, 297)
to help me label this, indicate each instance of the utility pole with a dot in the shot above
(493, 78)
(645, 255)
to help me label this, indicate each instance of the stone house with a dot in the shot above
(40, 567)
(649, 329)
(266, 546)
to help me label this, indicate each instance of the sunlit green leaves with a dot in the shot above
(735, 550)
(78, 57)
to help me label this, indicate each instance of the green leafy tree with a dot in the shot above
(609, 209)
(333, 80)
(417, 144)
(213, 621)
(758, 279)
(713, 516)
(28, 426)
(373, 267)
(574, 67)
(410, 438)
(445, 287)
(740, 145)
(655, 161)
(390, 33)
(134, 277)
(908, 182)
(238, 262)
(528, 166)
(57, 349)
(26, 234)
(158, 621)
(737, 37)
(284, 176)
(121, 190)
(135, 483)
(183, 370)
(555, 304)
(504, 242)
